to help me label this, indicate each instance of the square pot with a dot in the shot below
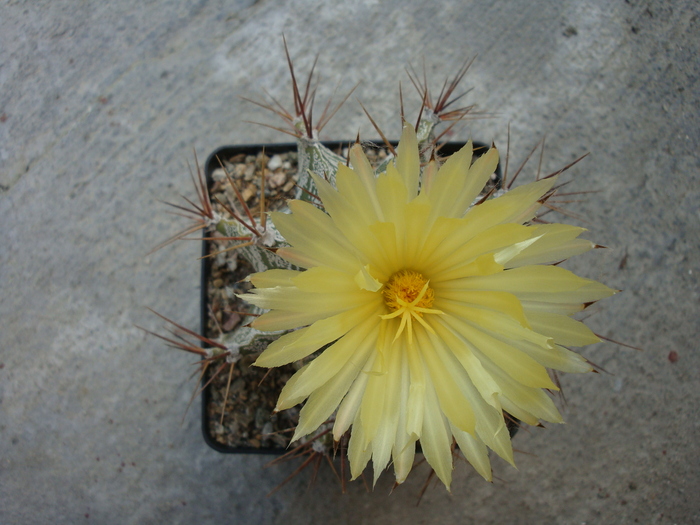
(258, 430)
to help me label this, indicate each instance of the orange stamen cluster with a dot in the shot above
(408, 295)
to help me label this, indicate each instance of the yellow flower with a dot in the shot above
(439, 315)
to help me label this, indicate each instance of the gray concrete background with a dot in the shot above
(101, 104)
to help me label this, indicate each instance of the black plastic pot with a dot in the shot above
(212, 163)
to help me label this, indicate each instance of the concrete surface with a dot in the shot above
(101, 104)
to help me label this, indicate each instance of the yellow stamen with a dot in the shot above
(408, 294)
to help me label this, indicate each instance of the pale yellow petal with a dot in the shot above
(563, 329)
(489, 423)
(518, 205)
(270, 354)
(349, 407)
(350, 350)
(429, 175)
(462, 350)
(555, 242)
(440, 231)
(337, 206)
(551, 255)
(492, 430)
(415, 219)
(385, 434)
(454, 183)
(494, 322)
(503, 302)
(479, 174)
(483, 265)
(436, 438)
(387, 258)
(407, 159)
(366, 281)
(362, 196)
(517, 412)
(350, 221)
(323, 279)
(416, 393)
(392, 194)
(358, 453)
(298, 258)
(303, 342)
(541, 283)
(292, 299)
(403, 460)
(474, 451)
(287, 402)
(515, 363)
(372, 407)
(555, 308)
(312, 232)
(465, 251)
(272, 278)
(404, 444)
(453, 403)
(557, 358)
(532, 401)
(505, 255)
(324, 400)
(277, 320)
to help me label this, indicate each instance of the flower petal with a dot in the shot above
(557, 358)
(303, 342)
(542, 283)
(358, 453)
(291, 299)
(328, 245)
(404, 447)
(458, 251)
(324, 400)
(555, 242)
(502, 302)
(453, 403)
(359, 185)
(278, 320)
(517, 206)
(272, 278)
(349, 407)
(392, 193)
(416, 393)
(489, 423)
(563, 329)
(457, 184)
(323, 279)
(407, 159)
(481, 266)
(352, 349)
(385, 434)
(436, 438)
(462, 350)
(475, 451)
(532, 401)
(515, 363)
(494, 322)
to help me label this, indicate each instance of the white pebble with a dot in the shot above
(274, 163)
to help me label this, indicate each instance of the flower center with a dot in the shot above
(408, 287)
(408, 295)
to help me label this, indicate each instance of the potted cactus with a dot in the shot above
(398, 302)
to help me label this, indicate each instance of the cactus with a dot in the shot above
(257, 240)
